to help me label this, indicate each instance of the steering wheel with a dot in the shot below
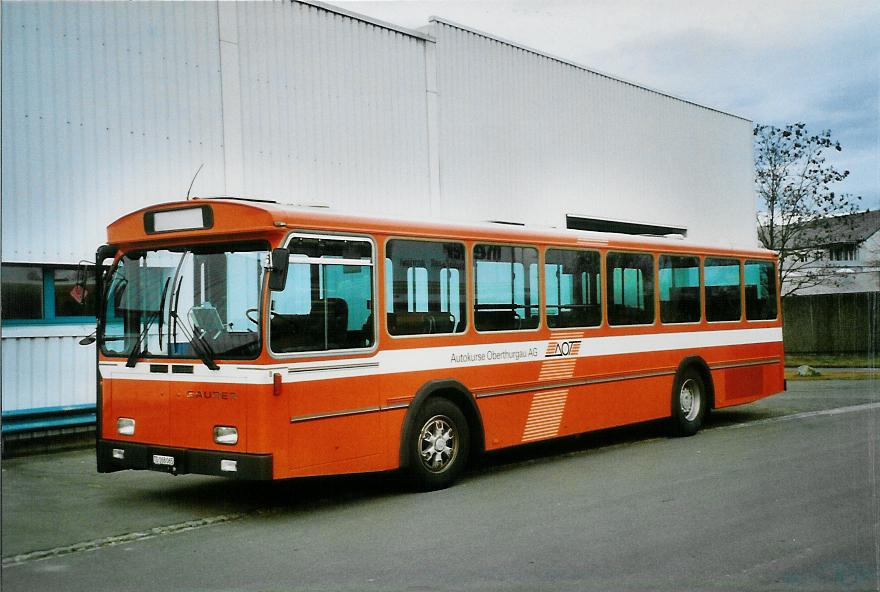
(254, 319)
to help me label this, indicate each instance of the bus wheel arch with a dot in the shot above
(693, 396)
(448, 392)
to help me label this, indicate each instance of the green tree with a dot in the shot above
(799, 215)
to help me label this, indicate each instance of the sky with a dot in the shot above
(771, 61)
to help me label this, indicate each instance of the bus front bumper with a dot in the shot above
(118, 456)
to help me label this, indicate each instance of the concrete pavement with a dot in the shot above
(778, 494)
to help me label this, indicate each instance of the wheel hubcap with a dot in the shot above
(438, 444)
(690, 399)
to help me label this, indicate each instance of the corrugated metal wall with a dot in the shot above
(108, 107)
(46, 367)
(520, 130)
(333, 109)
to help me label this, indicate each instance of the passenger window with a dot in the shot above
(22, 292)
(722, 290)
(630, 281)
(572, 288)
(760, 290)
(425, 291)
(679, 289)
(327, 303)
(506, 296)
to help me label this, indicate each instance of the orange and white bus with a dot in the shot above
(253, 340)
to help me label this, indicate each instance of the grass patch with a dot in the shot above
(864, 360)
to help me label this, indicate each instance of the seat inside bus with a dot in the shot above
(325, 326)
(574, 315)
(420, 323)
(205, 320)
(683, 305)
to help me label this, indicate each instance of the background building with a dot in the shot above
(841, 313)
(850, 247)
(109, 107)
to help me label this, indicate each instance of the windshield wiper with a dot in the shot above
(198, 344)
(174, 322)
(136, 350)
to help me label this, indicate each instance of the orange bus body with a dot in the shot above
(347, 412)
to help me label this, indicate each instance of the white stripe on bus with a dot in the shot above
(446, 357)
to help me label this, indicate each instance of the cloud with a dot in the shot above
(829, 81)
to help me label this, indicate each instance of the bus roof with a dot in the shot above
(240, 219)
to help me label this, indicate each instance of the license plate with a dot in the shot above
(161, 459)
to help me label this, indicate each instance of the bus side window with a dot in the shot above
(760, 290)
(679, 289)
(327, 303)
(506, 295)
(425, 287)
(572, 288)
(723, 302)
(630, 281)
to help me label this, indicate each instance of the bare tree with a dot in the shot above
(799, 214)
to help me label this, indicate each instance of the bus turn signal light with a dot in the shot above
(276, 384)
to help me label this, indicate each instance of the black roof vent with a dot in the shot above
(636, 228)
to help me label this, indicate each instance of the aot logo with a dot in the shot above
(561, 349)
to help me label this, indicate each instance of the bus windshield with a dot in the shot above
(186, 302)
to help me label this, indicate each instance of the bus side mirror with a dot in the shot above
(104, 252)
(278, 271)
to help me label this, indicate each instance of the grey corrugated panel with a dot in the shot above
(107, 107)
(333, 109)
(139, 85)
(520, 129)
(46, 372)
(568, 62)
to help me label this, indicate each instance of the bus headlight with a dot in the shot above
(226, 435)
(125, 426)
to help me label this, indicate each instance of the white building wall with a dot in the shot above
(869, 251)
(860, 275)
(526, 137)
(333, 109)
(46, 367)
(106, 107)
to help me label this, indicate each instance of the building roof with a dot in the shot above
(850, 228)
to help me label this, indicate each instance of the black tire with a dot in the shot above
(690, 402)
(438, 445)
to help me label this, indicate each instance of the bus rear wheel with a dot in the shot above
(689, 402)
(439, 445)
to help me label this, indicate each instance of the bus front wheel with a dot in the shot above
(689, 402)
(439, 445)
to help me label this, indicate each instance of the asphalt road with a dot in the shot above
(783, 494)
